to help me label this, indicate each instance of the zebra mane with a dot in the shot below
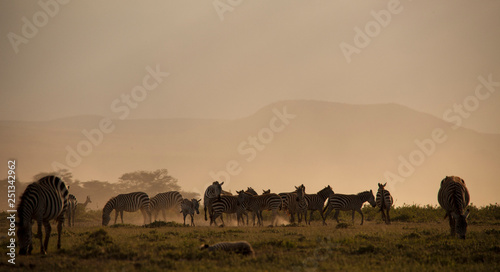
(364, 195)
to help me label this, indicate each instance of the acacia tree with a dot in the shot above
(150, 182)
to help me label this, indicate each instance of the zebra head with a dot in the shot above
(460, 223)
(371, 199)
(327, 191)
(300, 191)
(25, 235)
(243, 197)
(196, 205)
(218, 188)
(251, 191)
(382, 186)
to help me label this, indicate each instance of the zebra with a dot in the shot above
(189, 207)
(251, 191)
(317, 201)
(384, 202)
(259, 203)
(164, 201)
(129, 203)
(229, 205)
(289, 204)
(43, 200)
(71, 209)
(453, 197)
(341, 202)
(302, 203)
(211, 193)
(240, 247)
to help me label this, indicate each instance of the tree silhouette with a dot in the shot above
(150, 182)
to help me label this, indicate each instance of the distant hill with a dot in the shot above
(350, 147)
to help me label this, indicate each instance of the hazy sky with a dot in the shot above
(86, 54)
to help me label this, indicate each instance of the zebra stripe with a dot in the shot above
(259, 203)
(227, 204)
(341, 202)
(384, 202)
(165, 201)
(453, 197)
(211, 193)
(43, 200)
(289, 204)
(71, 210)
(129, 203)
(190, 207)
(316, 202)
(240, 247)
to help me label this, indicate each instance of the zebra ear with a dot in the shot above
(296, 187)
(199, 200)
(385, 184)
(221, 183)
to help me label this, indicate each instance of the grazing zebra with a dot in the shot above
(259, 203)
(211, 193)
(302, 203)
(317, 201)
(229, 205)
(384, 202)
(453, 196)
(165, 201)
(71, 209)
(43, 200)
(129, 203)
(349, 202)
(241, 247)
(189, 207)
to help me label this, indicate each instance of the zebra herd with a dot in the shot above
(49, 199)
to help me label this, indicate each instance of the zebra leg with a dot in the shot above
(388, 217)
(336, 216)
(452, 224)
(205, 208)
(121, 216)
(164, 213)
(311, 216)
(192, 219)
(40, 236)
(116, 216)
(59, 231)
(362, 217)
(48, 230)
(144, 215)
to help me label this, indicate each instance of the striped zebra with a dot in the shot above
(259, 203)
(211, 193)
(190, 207)
(228, 205)
(349, 202)
(71, 209)
(240, 247)
(165, 201)
(43, 200)
(290, 204)
(302, 203)
(316, 202)
(453, 197)
(384, 202)
(129, 203)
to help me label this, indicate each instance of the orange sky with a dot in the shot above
(428, 57)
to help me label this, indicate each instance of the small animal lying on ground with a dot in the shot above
(240, 247)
